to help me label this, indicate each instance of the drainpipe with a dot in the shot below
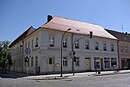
(118, 55)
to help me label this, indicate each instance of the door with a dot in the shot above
(87, 64)
(101, 59)
(51, 65)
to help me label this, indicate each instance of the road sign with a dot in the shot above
(27, 51)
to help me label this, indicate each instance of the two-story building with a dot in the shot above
(124, 48)
(43, 47)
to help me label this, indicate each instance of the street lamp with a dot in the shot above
(73, 52)
(21, 46)
(61, 47)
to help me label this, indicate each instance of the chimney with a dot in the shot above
(126, 33)
(49, 17)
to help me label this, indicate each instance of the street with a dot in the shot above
(117, 80)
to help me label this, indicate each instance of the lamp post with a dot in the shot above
(61, 48)
(22, 59)
(73, 52)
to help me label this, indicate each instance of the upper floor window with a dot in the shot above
(65, 43)
(51, 41)
(76, 43)
(32, 44)
(96, 46)
(104, 47)
(112, 47)
(64, 61)
(25, 45)
(29, 44)
(121, 49)
(87, 44)
(36, 42)
(126, 49)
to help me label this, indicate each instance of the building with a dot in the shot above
(43, 47)
(17, 50)
(124, 48)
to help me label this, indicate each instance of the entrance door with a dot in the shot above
(51, 65)
(101, 63)
(87, 64)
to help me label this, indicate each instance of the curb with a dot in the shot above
(46, 78)
(114, 73)
(66, 77)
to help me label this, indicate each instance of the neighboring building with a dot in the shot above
(17, 50)
(124, 48)
(44, 44)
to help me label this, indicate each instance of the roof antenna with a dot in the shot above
(122, 28)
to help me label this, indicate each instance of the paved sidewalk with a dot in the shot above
(70, 75)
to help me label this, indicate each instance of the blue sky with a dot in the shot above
(18, 15)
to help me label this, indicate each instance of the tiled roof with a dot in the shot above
(22, 36)
(120, 36)
(62, 24)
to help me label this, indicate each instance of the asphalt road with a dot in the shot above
(118, 80)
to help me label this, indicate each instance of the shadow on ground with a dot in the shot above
(9, 74)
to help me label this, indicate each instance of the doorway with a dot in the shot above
(87, 64)
(51, 66)
(101, 60)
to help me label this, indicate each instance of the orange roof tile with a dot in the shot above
(62, 24)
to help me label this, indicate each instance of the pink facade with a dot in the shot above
(124, 54)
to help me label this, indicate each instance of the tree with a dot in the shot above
(4, 50)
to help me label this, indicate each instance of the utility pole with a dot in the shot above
(72, 53)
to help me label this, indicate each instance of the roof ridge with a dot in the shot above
(78, 20)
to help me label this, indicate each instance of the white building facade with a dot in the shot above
(44, 48)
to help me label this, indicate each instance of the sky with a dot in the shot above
(16, 16)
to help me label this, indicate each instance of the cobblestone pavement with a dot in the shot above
(116, 80)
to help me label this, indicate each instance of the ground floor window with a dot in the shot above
(77, 61)
(106, 62)
(32, 62)
(50, 61)
(96, 63)
(125, 63)
(64, 61)
(36, 61)
(113, 62)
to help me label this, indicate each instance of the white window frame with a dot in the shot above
(64, 43)
(65, 61)
(51, 41)
(87, 44)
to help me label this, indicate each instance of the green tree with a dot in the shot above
(4, 50)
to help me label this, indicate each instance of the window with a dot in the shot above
(96, 46)
(25, 45)
(50, 62)
(64, 61)
(96, 63)
(32, 44)
(77, 61)
(32, 62)
(121, 49)
(126, 49)
(113, 62)
(29, 44)
(87, 44)
(112, 47)
(107, 62)
(65, 43)
(76, 44)
(51, 41)
(36, 61)
(104, 47)
(36, 42)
